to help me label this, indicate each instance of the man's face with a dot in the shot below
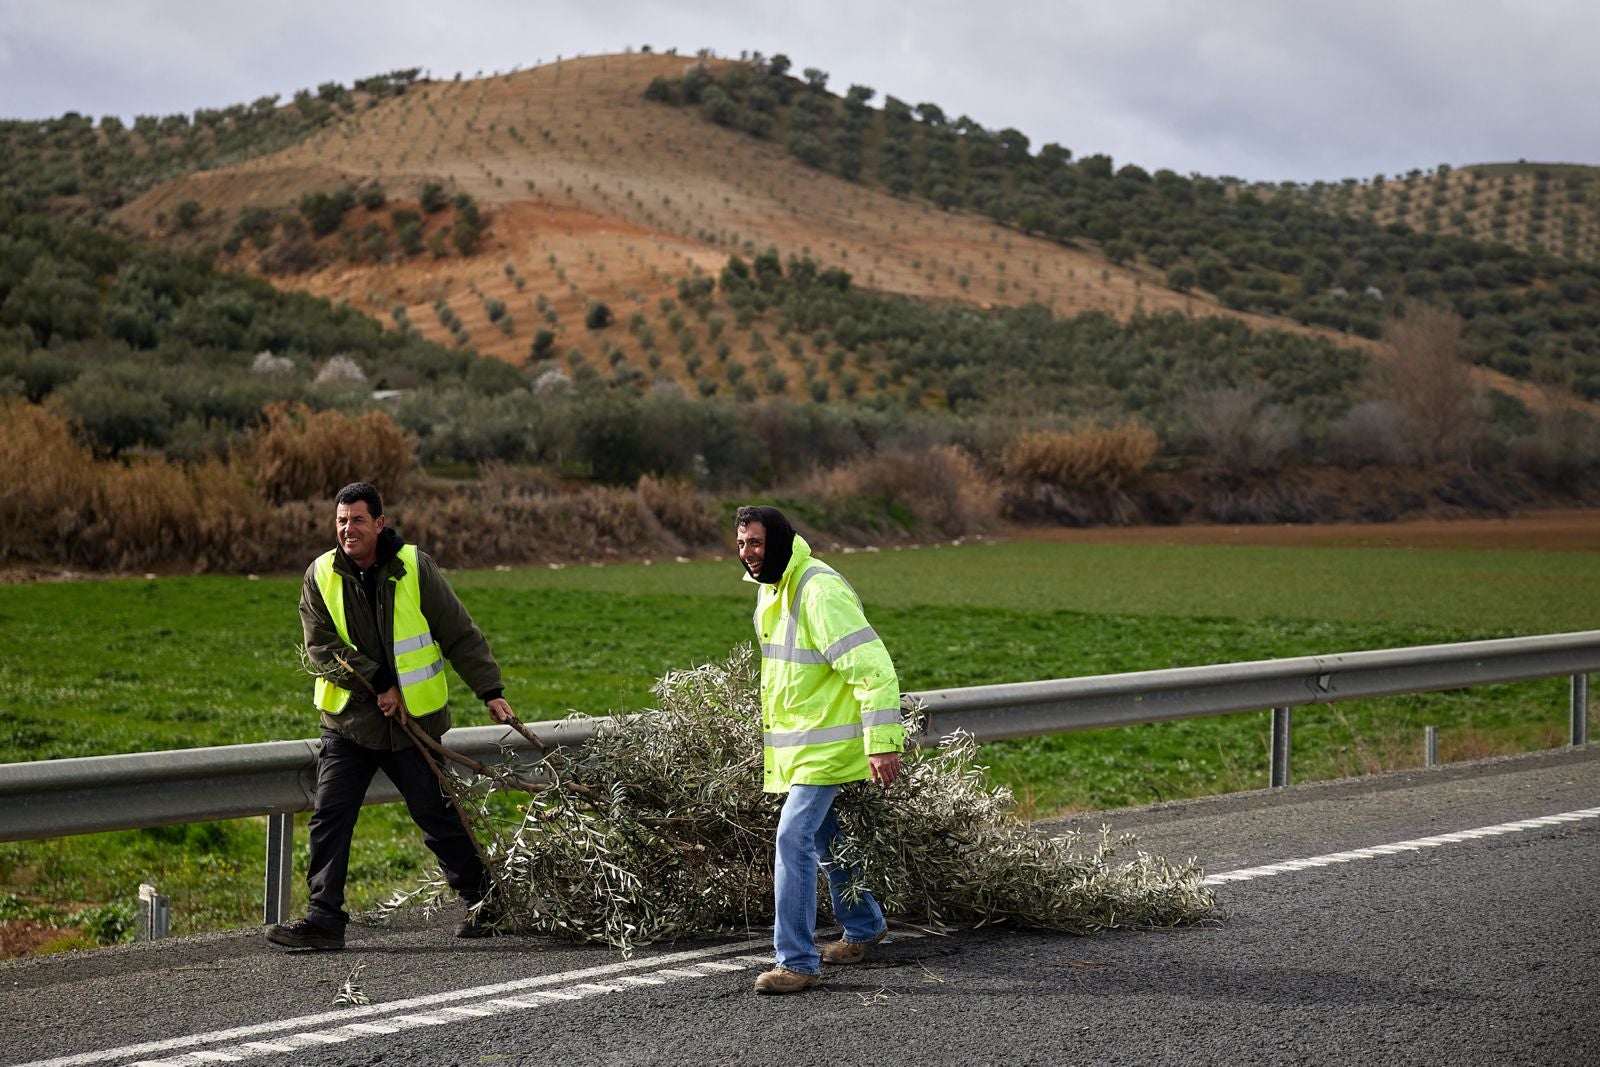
(751, 541)
(358, 532)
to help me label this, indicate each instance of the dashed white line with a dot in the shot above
(302, 1027)
(537, 998)
(580, 984)
(1247, 874)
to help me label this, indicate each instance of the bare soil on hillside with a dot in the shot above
(592, 192)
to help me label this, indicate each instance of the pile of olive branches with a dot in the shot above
(658, 829)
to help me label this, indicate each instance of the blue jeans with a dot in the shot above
(807, 830)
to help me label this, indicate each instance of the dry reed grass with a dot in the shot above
(45, 480)
(522, 516)
(682, 512)
(940, 487)
(60, 505)
(302, 454)
(1085, 457)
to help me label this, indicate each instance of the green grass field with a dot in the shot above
(118, 666)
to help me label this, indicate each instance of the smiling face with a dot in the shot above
(358, 532)
(751, 541)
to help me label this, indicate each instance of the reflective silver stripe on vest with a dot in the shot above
(883, 717)
(412, 644)
(791, 655)
(848, 641)
(421, 674)
(819, 736)
(787, 651)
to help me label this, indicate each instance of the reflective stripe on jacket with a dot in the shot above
(829, 695)
(418, 661)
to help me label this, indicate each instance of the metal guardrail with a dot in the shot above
(54, 798)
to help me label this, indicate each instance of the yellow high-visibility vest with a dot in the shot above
(418, 661)
(829, 695)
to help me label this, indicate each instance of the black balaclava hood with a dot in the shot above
(780, 545)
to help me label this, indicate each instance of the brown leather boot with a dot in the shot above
(783, 980)
(849, 951)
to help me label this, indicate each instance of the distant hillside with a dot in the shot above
(1529, 314)
(591, 192)
(1541, 208)
(717, 272)
(74, 167)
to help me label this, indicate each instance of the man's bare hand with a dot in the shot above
(392, 704)
(499, 710)
(885, 768)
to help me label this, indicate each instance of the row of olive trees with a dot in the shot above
(1270, 251)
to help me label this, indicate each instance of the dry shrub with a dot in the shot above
(680, 510)
(237, 530)
(286, 539)
(1087, 456)
(45, 480)
(940, 487)
(512, 519)
(1265, 500)
(1563, 450)
(302, 454)
(57, 504)
(1370, 433)
(1240, 428)
(1428, 379)
(208, 518)
(144, 511)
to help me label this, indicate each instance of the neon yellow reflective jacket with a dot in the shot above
(829, 696)
(418, 661)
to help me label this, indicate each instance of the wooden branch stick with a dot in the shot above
(414, 732)
(418, 735)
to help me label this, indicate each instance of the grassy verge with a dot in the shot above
(121, 666)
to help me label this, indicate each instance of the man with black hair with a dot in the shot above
(380, 621)
(830, 714)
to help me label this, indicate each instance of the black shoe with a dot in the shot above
(303, 933)
(481, 923)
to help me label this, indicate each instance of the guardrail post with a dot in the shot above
(1580, 709)
(280, 866)
(154, 914)
(1430, 746)
(1279, 770)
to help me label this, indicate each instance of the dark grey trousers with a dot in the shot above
(344, 770)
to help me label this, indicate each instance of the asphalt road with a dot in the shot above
(1444, 949)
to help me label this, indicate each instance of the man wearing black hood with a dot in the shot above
(378, 608)
(830, 715)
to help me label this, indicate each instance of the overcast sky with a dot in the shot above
(1259, 89)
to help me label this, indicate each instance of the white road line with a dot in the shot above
(1246, 874)
(535, 999)
(576, 985)
(478, 994)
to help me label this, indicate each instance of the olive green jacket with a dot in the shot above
(459, 638)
